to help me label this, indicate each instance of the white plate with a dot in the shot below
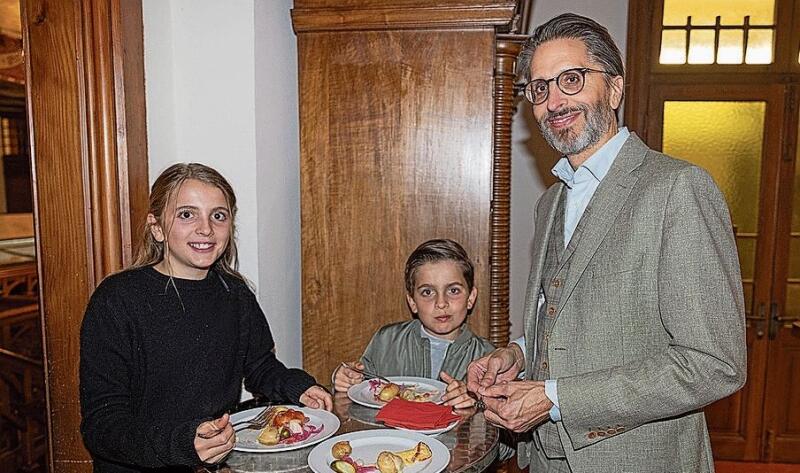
(367, 444)
(246, 439)
(360, 393)
(442, 430)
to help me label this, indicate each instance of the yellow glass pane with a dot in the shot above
(731, 47)
(701, 47)
(793, 277)
(724, 138)
(673, 47)
(759, 47)
(761, 12)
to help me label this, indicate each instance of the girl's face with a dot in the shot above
(441, 298)
(198, 228)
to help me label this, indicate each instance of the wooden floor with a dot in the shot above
(747, 467)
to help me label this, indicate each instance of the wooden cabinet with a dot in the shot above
(405, 111)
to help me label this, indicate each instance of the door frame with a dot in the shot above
(86, 119)
(746, 442)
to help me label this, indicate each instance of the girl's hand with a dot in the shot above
(214, 439)
(344, 377)
(456, 394)
(317, 397)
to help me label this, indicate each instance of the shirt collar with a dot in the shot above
(597, 165)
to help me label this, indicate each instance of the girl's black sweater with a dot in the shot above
(156, 362)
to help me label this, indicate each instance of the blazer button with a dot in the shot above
(611, 431)
(591, 435)
(556, 282)
(601, 434)
(551, 310)
(544, 365)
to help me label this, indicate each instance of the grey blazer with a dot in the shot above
(651, 323)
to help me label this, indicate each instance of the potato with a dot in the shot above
(269, 436)
(388, 462)
(341, 449)
(341, 466)
(389, 392)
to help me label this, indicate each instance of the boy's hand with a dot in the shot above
(344, 377)
(213, 440)
(456, 394)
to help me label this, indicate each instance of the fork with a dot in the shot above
(257, 422)
(367, 374)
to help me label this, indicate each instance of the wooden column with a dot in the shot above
(508, 46)
(86, 111)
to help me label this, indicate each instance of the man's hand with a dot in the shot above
(456, 394)
(344, 377)
(518, 406)
(503, 364)
(213, 440)
(317, 397)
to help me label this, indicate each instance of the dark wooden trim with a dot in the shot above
(636, 70)
(420, 16)
(86, 115)
(507, 49)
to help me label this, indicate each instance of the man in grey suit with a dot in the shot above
(634, 316)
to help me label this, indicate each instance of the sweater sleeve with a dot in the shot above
(111, 429)
(263, 372)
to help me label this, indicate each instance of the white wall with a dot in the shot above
(221, 84)
(530, 155)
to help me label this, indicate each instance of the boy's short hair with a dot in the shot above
(433, 251)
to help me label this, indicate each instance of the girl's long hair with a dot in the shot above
(167, 185)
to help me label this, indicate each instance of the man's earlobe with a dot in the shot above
(617, 87)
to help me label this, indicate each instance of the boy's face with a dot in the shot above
(441, 298)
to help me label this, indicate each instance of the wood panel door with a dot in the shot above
(745, 136)
(398, 134)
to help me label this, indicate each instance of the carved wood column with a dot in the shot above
(508, 46)
(86, 112)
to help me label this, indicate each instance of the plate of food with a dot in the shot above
(379, 451)
(375, 393)
(288, 428)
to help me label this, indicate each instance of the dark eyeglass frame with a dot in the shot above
(528, 89)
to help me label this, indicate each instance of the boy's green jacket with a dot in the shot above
(400, 350)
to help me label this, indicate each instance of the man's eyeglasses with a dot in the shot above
(569, 82)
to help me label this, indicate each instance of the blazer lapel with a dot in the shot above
(541, 236)
(603, 208)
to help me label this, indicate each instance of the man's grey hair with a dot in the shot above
(598, 41)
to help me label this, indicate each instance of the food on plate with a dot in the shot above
(286, 426)
(420, 452)
(342, 466)
(387, 462)
(388, 392)
(341, 449)
(410, 392)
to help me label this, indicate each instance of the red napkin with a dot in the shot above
(416, 415)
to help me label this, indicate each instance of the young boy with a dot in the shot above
(437, 343)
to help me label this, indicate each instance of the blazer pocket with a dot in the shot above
(610, 266)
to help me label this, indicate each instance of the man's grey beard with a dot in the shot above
(598, 121)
